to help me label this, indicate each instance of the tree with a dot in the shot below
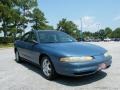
(68, 27)
(49, 27)
(39, 21)
(87, 34)
(108, 32)
(37, 18)
(11, 18)
(25, 7)
(102, 34)
(17, 23)
(61, 26)
(5, 17)
(14, 15)
(116, 33)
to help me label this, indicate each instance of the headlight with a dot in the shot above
(76, 59)
(106, 54)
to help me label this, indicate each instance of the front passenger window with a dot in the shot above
(33, 37)
(26, 37)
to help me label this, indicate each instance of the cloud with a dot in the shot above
(89, 23)
(117, 18)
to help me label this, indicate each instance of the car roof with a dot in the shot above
(45, 31)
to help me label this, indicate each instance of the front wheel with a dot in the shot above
(47, 68)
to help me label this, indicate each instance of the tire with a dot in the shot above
(17, 57)
(48, 68)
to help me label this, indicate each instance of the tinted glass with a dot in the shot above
(26, 37)
(55, 37)
(33, 36)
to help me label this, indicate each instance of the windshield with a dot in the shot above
(55, 37)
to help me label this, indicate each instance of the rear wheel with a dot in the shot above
(47, 68)
(17, 57)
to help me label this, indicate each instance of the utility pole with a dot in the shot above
(81, 36)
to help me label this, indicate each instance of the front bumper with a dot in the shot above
(81, 69)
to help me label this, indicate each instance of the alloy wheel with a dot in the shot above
(46, 67)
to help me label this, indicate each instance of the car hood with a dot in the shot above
(75, 49)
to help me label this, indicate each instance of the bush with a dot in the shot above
(6, 40)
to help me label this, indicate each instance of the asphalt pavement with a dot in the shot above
(25, 76)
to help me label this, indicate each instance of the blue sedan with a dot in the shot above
(58, 53)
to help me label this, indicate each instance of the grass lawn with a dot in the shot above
(6, 45)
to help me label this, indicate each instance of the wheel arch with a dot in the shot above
(54, 70)
(41, 56)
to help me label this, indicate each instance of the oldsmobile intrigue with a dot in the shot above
(58, 53)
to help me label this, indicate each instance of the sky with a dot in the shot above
(95, 14)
